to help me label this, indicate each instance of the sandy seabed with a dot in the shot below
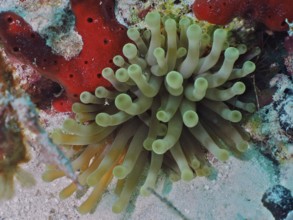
(233, 192)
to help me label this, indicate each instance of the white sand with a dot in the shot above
(235, 192)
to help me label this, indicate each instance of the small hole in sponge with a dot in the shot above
(111, 61)
(283, 23)
(99, 75)
(71, 75)
(109, 8)
(106, 41)
(86, 62)
(75, 95)
(16, 49)
(9, 19)
(90, 20)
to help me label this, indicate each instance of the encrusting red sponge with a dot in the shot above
(103, 37)
(270, 12)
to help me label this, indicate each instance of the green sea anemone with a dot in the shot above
(174, 98)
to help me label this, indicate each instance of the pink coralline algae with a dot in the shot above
(289, 45)
(289, 59)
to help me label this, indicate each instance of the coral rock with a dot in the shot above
(279, 201)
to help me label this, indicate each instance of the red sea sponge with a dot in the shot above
(217, 12)
(270, 12)
(103, 38)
